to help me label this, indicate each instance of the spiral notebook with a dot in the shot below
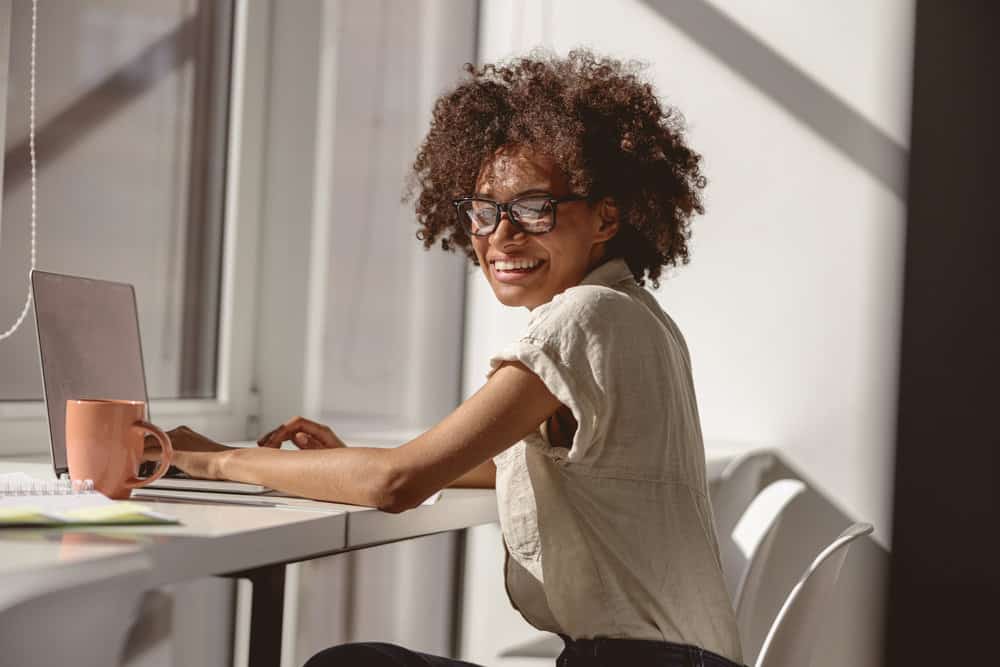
(25, 501)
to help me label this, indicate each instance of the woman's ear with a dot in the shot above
(607, 210)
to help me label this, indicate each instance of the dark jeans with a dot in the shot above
(578, 653)
(377, 654)
(602, 652)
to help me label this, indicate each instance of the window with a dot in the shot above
(131, 143)
(234, 160)
(149, 117)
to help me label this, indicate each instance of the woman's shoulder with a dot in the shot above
(591, 307)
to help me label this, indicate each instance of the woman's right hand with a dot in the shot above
(303, 433)
(184, 439)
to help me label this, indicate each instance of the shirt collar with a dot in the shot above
(609, 273)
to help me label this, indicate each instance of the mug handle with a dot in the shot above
(165, 457)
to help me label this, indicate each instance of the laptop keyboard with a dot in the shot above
(146, 469)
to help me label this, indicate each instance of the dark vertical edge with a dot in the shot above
(212, 49)
(196, 211)
(350, 593)
(266, 615)
(6, 20)
(457, 592)
(232, 596)
(945, 505)
(225, 41)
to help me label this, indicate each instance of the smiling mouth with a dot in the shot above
(515, 265)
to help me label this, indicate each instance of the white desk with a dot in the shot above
(213, 539)
(39, 565)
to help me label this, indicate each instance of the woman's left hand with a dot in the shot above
(303, 433)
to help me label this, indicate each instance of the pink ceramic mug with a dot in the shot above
(104, 442)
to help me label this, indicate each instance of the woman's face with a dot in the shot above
(529, 269)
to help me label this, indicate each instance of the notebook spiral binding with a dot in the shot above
(47, 487)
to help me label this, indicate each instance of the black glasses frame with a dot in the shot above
(505, 207)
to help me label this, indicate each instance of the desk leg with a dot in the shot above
(266, 611)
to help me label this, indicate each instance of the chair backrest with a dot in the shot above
(731, 494)
(47, 623)
(754, 538)
(792, 636)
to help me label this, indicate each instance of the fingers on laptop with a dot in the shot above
(305, 441)
(266, 440)
(304, 433)
(300, 439)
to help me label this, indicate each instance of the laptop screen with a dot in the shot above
(88, 338)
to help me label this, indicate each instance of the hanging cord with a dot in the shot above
(34, 182)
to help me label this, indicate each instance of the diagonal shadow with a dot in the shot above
(840, 125)
(93, 108)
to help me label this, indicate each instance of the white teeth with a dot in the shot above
(503, 265)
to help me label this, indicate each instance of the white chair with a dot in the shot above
(731, 495)
(148, 643)
(51, 623)
(753, 539)
(792, 637)
(546, 645)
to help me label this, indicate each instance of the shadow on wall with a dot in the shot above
(816, 107)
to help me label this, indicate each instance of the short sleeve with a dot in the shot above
(565, 346)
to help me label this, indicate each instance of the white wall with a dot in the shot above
(791, 302)
(393, 311)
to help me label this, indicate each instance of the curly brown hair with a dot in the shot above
(602, 125)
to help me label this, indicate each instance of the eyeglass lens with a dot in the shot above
(533, 214)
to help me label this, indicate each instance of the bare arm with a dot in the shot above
(508, 407)
(483, 476)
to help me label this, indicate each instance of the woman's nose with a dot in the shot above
(506, 232)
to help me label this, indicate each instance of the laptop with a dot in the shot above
(88, 340)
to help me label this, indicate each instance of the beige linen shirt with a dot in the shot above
(613, 536)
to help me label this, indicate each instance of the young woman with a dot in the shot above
(570, 185)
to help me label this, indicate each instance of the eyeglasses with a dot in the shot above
(532, 214)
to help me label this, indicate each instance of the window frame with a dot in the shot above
(6, 11)
(231, 414)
